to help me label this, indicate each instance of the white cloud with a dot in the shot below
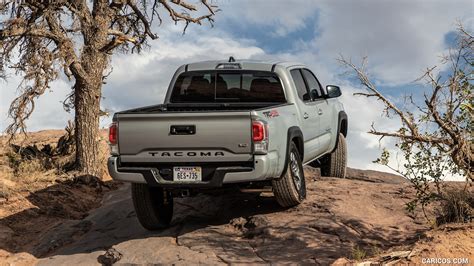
(143, 79)
(364, 148)
(401, 38)
(48, 113)
(282, 17)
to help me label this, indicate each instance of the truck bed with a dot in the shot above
(200, 107)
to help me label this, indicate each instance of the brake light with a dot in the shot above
(258, 131)
(113, 133)
(260, 137)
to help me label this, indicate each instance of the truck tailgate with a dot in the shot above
(185, 137)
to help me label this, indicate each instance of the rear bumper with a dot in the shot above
(264, 168)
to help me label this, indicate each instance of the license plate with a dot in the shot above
(187, 174)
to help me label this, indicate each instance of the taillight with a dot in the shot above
(260, 137)
(113, 133)
(258, 131)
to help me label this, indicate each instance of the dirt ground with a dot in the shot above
(449, 242)
(33, 200)
(360, 218)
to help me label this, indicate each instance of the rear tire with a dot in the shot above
(290, 188)
(153, 206)
(334, 164)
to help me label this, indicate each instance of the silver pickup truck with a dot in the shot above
(223, 123)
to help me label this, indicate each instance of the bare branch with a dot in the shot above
(447, 115)
(183, 16)
(184, 4)
(426, 139)
(144, 20)
(364, 79)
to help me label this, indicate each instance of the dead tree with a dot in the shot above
(39, 39)
(436, 133)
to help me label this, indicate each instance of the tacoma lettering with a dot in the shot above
(189, 153)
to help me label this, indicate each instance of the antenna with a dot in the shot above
(231, 59)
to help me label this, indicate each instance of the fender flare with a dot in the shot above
(294, 132)
(342, 124)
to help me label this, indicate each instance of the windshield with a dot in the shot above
(227, 86)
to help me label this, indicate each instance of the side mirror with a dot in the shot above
(306, 97)
(314, 94)
(333, 91)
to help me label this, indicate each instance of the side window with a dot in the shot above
(300, 85)
(312, 82)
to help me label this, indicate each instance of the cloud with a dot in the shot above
(362, 112)
(281, 17)
(401, 38)
(48, 113)
(143, 79)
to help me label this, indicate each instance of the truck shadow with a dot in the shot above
(237, 227)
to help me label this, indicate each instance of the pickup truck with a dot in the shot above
(245, 123)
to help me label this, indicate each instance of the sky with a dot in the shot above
(400, 38)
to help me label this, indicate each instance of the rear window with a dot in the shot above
(227, 86)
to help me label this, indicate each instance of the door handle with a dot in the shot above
(320, 111)
(182, 130)
(305, 116)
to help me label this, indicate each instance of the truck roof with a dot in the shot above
(245, 64)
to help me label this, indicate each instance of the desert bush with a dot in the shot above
(29, 167)
(60, 156)
(24, 167)
(14, 159)
(435, 139)
(457, 207)
(5, 190)
(33, 162)
(358, 253)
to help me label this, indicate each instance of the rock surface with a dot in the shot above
(17, 259)
(364, 212)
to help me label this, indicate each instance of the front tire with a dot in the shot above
(290, 188)
(334, 164)
(153, 206)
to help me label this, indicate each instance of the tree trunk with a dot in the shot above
(87, 94)
(88, 91)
